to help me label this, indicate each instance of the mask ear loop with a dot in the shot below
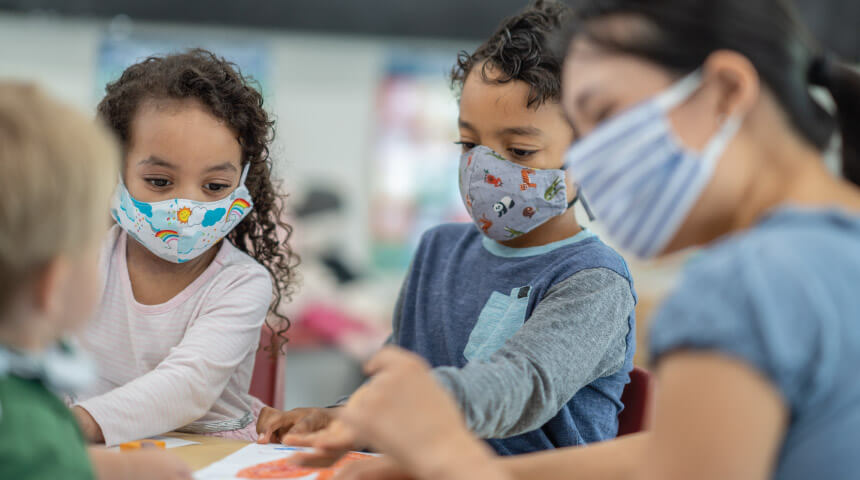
(579, 197)
(245, 173)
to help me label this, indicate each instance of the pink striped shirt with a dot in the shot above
(182, 365)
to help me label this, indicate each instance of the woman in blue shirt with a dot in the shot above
(696, 127)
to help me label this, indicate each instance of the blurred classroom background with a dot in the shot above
(365, 128)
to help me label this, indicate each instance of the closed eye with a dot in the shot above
(518, 152)
(216, 187)
(466, 145)
(158, 182)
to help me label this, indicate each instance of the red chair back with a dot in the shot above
(267, 381)
(636, 396)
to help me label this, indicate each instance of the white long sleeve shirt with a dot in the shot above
(184, 364)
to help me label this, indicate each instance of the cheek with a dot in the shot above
(694, 125)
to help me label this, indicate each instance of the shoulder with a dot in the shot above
(599, 282)
(776, 262)
(34, 426)
(772, 297)
(591, 260)
(450, 233)
(446, 238)
(238, 271)
(28, 404)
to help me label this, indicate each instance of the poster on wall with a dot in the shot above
(118, 51)
(414, 185)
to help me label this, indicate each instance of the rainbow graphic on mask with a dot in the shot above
(167, 235)
(238, 207)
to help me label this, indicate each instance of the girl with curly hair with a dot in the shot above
(180, 321)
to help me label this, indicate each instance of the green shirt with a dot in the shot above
(39, 437)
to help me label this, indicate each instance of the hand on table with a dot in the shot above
(273, 425)
(403, 412)
(330, 443)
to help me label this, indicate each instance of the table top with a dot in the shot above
(210, 450)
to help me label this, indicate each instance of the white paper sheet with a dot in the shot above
(249, 456)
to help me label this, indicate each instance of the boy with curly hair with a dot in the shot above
(526, 318)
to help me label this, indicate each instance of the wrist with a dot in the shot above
(89, 426)
(463, 457)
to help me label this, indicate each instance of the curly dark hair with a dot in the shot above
(521, 49)
(219, 85)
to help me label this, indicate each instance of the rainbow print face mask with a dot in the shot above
(179, 230)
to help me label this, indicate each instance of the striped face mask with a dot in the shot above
(179, 230)
(640, 180)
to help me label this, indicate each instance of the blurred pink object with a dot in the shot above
(322, 323)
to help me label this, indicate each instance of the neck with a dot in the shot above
(554, 230)
(804, 182)
(24, 332)
(142, 261)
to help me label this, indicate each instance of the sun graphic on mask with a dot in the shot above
(184, 214)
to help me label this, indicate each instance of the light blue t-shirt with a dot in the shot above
(784, 297)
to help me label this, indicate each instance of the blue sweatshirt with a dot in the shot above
(535, 344)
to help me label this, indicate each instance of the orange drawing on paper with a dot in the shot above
(283, 469)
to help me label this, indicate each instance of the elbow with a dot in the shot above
(535, 403)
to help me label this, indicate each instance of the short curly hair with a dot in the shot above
(521, 49)
(231, 97)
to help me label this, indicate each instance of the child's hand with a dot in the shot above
(273, 425)
(330, 444)
(405, 413)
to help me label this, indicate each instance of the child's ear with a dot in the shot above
(49, 285)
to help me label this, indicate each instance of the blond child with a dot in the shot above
(57, 171)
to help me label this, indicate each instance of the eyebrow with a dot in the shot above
(522, 131)
(528, 131)
(465, 124)
(584, 99)
(576, 134)
(157, 162)
(580, 103)
(226, 166)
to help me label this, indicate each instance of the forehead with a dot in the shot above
(589, 68)
(183, 132)
(489, 105)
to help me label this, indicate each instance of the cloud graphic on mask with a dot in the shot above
(204, 216)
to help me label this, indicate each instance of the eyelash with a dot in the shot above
(466, 145)
(604, 114)
(152, 181)
(212, 187)
(517, 152)
(221, 186)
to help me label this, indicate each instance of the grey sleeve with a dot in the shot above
(575, 335)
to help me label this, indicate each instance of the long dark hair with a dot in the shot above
(681, 34)
(218, 84)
